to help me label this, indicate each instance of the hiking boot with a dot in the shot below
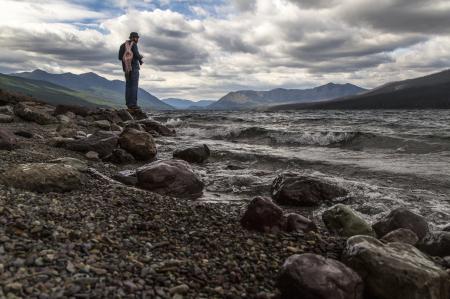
(137, 112)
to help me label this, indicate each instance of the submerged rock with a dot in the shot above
(311, 276)
(139, 144)
(402, 235)
(436, 243)
(170, 177)
(102, 142)
(292, 189)
(402, 218)
(43, 177)
(195, 154)
(298, 223)
(342, 220)
(7, 140)
(263, 215)
(395, 270)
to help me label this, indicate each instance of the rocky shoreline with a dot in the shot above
(88, 211)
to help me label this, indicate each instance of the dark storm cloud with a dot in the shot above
(233, 42)
(400, 15)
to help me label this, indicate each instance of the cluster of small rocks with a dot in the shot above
(74, 223)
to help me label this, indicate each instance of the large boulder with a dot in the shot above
(151, 125)
(195, 154)
(311, 276)
(40, 114)
(43, 177)
(395, 270)
(8, 140)
(263, 215)
(139, 144)
(292, 189)
(402, 218)
(102, 142)
(436, 243)
(170, 177)
(402, 235)
(298, 223)
(342, 220)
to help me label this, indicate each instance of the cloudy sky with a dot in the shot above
(202, 49)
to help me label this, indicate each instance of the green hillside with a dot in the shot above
(49, 92)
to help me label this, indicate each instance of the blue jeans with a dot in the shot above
(131, 88)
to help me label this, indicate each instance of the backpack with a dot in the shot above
(127, 57)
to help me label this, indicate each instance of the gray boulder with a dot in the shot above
(292, 189)
(311, 276)
(195, 154)
(74, 162)
(298, 223)
(436, 243)
(342, 220)
(263, 215)
(402, 218)
(170, 177)
(102, 142)
(43, 177)
(402, 235)
(139, 144)
(395, 270)
(8, 140)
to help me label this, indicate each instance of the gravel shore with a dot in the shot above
(109, 240)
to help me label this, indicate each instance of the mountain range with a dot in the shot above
(248, 99)
(184, 104)
(428, 92)
(96, 89)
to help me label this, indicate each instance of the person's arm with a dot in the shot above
(136, 53)
(121, 51)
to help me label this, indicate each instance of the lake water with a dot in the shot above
(386, 159)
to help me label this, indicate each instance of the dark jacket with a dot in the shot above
(137, 57)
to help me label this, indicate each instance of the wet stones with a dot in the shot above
(8, 140)
(342, 220)
(102, 142)
(170, 177)
(436, 243)
(43, 177)
(402, 235)
(139, 144)
(195, 154)
(151, 125)
(402, 218)
(311, 276)
(292, 189)
(35, 113)
(263, 215)
(395, 270)
(119, 156)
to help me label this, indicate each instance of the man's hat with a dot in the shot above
(134, 34)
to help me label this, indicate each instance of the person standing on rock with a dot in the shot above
(131, 61)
